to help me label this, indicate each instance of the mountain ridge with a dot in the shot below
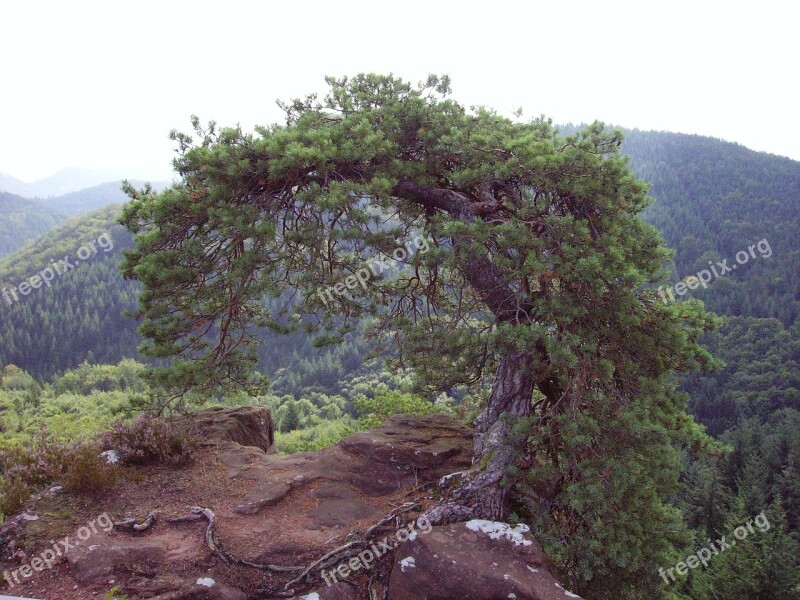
(66, 181)
(22, 219)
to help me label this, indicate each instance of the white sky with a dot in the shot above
(101, 84)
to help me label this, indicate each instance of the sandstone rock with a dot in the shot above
(424, 443)
(96, 562)
(477, 560)
(341, 505)
(337, 591)
(244, 425)
(205, 588)
(403, 451)
(147, 587)
(289, 510)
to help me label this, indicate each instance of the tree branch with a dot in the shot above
(482, 274)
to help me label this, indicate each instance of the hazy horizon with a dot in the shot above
(101, 85)
(115, 174)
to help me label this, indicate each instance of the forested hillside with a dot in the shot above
(26, 218)
(79, 315)
(761, 374)
(22, 220)
(715, 199)
(92, 198)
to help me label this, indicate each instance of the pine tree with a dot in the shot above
(761, 564)
(290, 419)
(538, 274)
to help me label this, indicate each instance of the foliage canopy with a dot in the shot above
(536, 240)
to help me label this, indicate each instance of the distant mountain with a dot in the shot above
(89, 199)
(12, 185)
(65, 181)
(22, 220)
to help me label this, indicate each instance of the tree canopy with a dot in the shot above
(536, 240)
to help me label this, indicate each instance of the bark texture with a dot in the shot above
(484, 491)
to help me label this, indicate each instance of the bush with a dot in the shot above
(88, 473)
(149, 439)
(374, 411)
(14, 493)
(37, 464)
(313, 438)
(27, 469)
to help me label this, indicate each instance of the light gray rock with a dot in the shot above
(477, 560)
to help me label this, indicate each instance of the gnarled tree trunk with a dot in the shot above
(484, 491)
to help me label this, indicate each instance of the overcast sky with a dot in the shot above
(101, 84)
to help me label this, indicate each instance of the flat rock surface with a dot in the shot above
(205, 588)
(402, 452)
(281, 510)
(337, 591)
(95, 562)
(284, 510)
(477, 560)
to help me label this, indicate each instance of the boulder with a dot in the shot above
(401, 453)
(425, 443)
(476, 560)
(243, 425)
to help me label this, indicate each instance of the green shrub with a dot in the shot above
(115, 594)
(88, 473)
(314, 438)
(374, 411)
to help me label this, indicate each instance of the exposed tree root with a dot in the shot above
(464, 492)
(352, 548)
(449, 512)
(199, 513)
(186, 519)
(134, 524)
